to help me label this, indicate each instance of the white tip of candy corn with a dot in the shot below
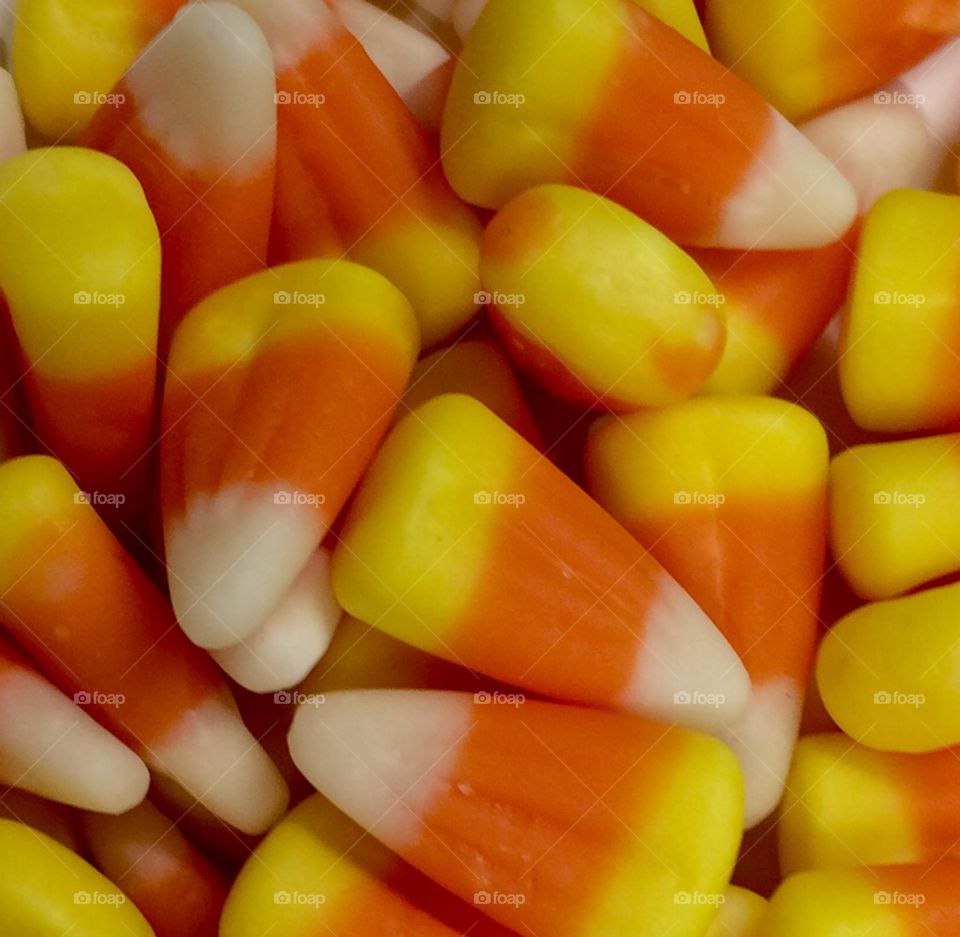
(409, 59)
(51, 747)
(285, 648)
(232, 557)
(12, 139)
(877, 146)
(763, 738)
(791, 198)
(686, 671)
(292, 27)
(932, 87)
(382, 756)
(205, 90)
(213, 756)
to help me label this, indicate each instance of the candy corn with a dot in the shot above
(848, 805)
(888, 692)
(901, 311)
(80, 270)
(729, 493)
(807, 57)
(68, 55)
(898, 900)
(479, 368)
(77, 603)
(174, 886)
(609, 98)
(47, 890)
(56, 749)
(508, 805)
(279, 388)
(597, 303)
(892, 520)
(356, 173)
(317, 872)
(196, 123)
(464, 541)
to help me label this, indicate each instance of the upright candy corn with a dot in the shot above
(67, 55)
(807, 57)
(46, 890)
(896, 900)
(598, 304)
(175, 887)
(893, 692)
(319, 873)
(56, 749)
(774, 304)
(417, 66)
(892, 518)
(508, 806)
(479, 368)
(196, 123)
(847, 805)
(80, 270)
(356, 174)
(899, 367)
(729, 494)
(465, 541)
(100, 629)
(608, 97)
(278, 391)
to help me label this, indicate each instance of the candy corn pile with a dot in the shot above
(479, 467)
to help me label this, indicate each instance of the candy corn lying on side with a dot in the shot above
(476, 795)
(464, 541)
(607, 97)
(643, 329)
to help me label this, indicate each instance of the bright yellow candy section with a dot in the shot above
(303, 874)
(270, 307)
(774, 45)
(894, 523)
(417, 535)
(900, 361)
(888, 672)
(527, 80)
(838, 903)
(80, 265)
(48, 891)
(67, 56)
(628, 313)
(681, 15)
(686, 883)
(843, 806)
